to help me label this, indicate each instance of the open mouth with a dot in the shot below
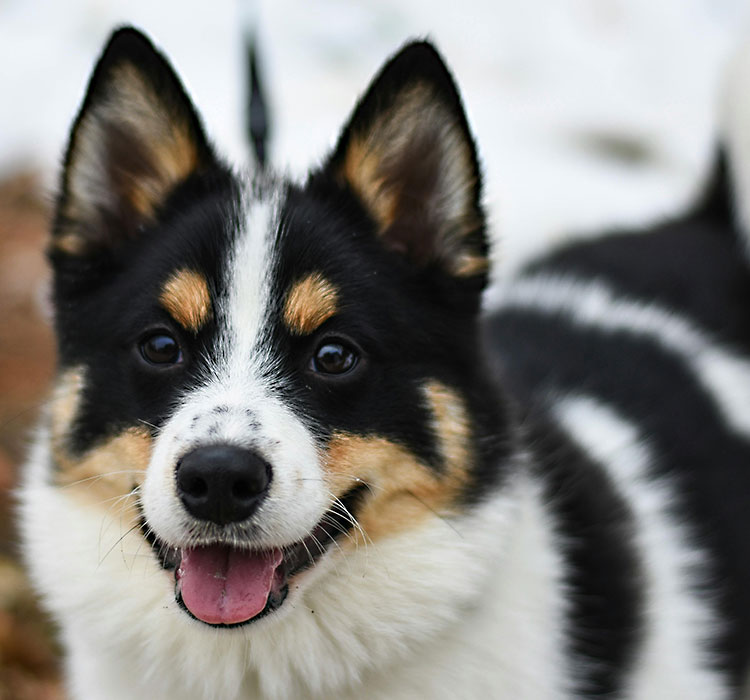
(227, 586)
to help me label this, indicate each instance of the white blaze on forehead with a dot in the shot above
(249, 279)
(239, 403)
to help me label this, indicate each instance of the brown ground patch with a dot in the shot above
(29, 669)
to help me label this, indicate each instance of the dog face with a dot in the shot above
(262, 374)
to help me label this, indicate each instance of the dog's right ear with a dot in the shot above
(136, 137)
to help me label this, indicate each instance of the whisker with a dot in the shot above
(97, 477)
(338, 546)
(309, 555)
(35, 406)
(120, 539)
(435, 513)
(150, 425)
(339, 505)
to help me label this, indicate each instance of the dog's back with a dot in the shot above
(635, 347)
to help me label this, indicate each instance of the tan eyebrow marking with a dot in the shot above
(186, 297)
(310, 302)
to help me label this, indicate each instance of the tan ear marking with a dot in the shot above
(371, 155)
(469, 265)
(127, 154)
(309, 303)
(69, 243)
(413, 169)
(361, 171)
(165, 141)
(186, 297)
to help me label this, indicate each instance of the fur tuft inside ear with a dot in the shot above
(136, 137)
(408, 155)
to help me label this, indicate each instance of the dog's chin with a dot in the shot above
(229, 585)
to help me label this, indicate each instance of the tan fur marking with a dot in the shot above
(106, 472)
(369, 155)
(186, 297)
(110, 470)
(310, 302)
(361, 171)
(70, 243)
(162, 151)
(171, 151)
(66, 398)
(451, 426)
(368, 168)
(404, 491)
(469, 265)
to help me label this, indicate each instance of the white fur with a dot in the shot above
(467, 608)
(723, 374)
(673, 663)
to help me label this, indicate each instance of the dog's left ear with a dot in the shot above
(408, 155)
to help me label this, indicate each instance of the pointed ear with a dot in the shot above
(136, 137)
(408, 155)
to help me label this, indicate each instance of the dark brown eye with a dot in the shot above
(161, 349)
(333, 358)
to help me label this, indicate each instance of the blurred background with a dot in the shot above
(589, 114)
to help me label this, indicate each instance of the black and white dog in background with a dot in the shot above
(286, 457)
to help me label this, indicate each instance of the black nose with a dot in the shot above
(222, 483)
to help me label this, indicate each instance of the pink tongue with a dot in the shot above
(222, 585)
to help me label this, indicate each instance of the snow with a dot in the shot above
(552, 88)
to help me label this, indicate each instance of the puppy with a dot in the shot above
(287, 457)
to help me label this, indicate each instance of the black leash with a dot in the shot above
(256, 113)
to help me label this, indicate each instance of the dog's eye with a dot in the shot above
(333, 358)
(161, 349)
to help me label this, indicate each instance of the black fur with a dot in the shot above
(692, 265)
(100, 324)
(333, 235)
(604, 579)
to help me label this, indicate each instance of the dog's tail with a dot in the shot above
(717, 199)
(256, 110)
